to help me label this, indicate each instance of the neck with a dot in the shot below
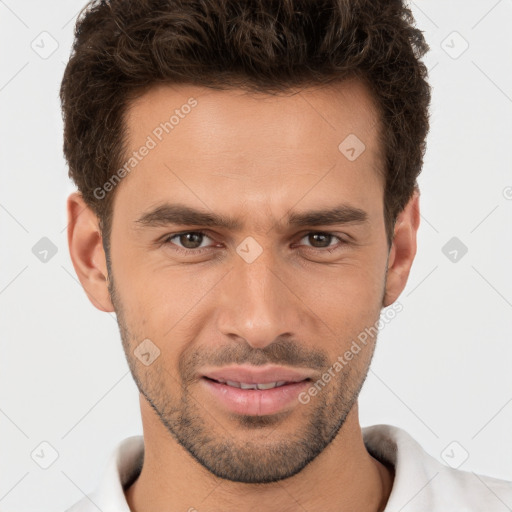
(343, 477)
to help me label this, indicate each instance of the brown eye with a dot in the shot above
(320, 240)
(189, 240)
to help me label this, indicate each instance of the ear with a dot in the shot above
(403, 249)
(86, 251)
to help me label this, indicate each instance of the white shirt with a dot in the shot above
(422, 484)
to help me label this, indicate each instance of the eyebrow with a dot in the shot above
(179, 214)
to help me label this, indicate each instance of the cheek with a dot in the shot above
(347, 301)
(166, 303)
(353, 287)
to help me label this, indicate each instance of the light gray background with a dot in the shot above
(442, 369)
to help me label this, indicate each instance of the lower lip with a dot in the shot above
(255, 402)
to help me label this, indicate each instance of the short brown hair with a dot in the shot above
(122, 47)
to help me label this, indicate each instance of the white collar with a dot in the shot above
(422, 483)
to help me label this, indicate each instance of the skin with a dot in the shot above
(256, 159)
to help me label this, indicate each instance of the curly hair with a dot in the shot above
(123, 47)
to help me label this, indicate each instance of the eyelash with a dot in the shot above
(182, 250)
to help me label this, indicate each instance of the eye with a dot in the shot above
(321, 240)
(189, 240)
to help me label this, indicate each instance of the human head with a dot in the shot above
(256, 144)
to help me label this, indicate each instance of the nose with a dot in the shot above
(257, 304)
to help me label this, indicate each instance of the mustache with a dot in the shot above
(283, 352)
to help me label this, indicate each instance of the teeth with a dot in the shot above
(268, 385)
(243, 385)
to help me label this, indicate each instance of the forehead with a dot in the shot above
(259, 146)
(303, 116)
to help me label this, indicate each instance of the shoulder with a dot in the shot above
(424, 484)
(123, 467)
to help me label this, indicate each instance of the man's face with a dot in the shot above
(266, 291)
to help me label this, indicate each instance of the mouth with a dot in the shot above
(254, 399)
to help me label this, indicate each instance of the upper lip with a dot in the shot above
(256, 375)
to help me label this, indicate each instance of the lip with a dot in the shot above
(255, 375)
(255, 402)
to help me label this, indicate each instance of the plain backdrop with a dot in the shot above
(442, 368)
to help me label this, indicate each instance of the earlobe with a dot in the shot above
(86, 251)
(403, 250)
